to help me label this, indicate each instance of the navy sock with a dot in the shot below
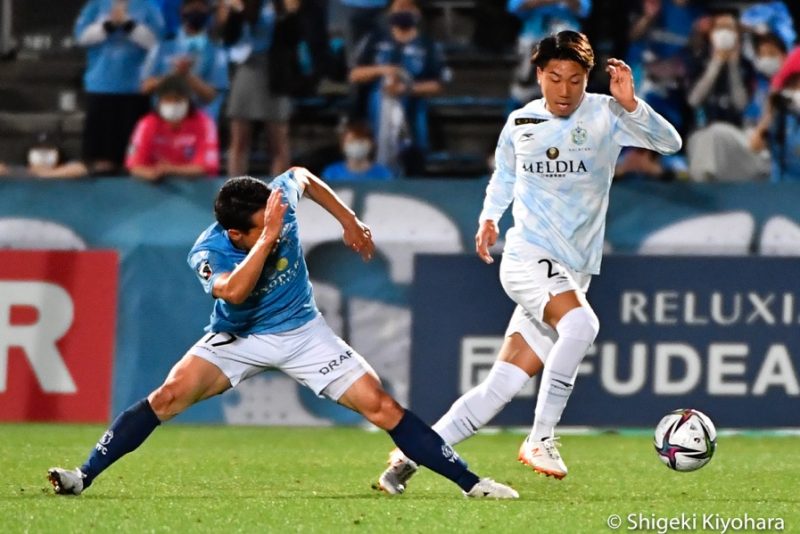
(126, 433)
(422, 444)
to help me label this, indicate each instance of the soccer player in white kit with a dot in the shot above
(265, 318)
(555, 160)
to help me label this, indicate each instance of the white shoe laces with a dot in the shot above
(551, 448)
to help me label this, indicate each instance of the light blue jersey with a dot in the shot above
(210, 64)
(558, 172)
(114, 63)
(282, 299)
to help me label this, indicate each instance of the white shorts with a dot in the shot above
(531, 276)
(313, 355)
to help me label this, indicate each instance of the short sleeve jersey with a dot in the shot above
(282, 299)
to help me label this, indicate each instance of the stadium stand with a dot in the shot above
(41, 89)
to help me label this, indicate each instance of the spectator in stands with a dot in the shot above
(192, 54)
(770, 53)
(402, 67)
(540, 18)
(46, 159)
(117, 34)
(358, 148)
(719, 93)
(770, 17)
(176, 140)
(171, 11)
(659, 54)
(779, 129)
(362, 18)
(248, 27)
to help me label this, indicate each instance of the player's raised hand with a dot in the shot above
(621, 84)
(358, 237)
(485, 238)
(273, 215)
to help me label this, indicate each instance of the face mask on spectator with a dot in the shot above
(723, 39)
(403, 19)
(43, 157)
(195, 20)
(768, 65)
(357, 150)
(173, 111)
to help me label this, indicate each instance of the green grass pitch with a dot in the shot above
(248, 479)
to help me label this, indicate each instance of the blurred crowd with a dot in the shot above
(164, 77)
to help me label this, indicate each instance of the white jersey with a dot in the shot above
(558, 172)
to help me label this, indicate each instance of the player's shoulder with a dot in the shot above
(596, 105)
(212, 238)
(597, 101)
(533, 112)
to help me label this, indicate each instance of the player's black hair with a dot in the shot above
(238, 199)
(567, 44)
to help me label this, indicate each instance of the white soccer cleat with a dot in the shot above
(66, 482)
(393, 481)
(543, 457)
(486, 488)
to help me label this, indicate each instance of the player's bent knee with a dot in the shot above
(579, 323)
(166, 402)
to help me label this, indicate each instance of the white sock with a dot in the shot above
(577, 330)
(479, 405)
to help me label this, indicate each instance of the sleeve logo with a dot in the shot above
(528, 120)
(204, 270)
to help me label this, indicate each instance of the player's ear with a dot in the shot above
(539, 73)
(235, 236)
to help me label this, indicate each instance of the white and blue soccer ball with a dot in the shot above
(685, 439)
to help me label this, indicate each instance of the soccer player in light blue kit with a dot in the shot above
(264, 318)
(555, 160)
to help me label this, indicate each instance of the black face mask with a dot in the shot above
(196, 20)
(403, 19)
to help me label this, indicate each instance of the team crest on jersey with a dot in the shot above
(552, 152)
(528, 120)
(579, 135)
(204, 270)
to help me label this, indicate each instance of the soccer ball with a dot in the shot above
(685, 440)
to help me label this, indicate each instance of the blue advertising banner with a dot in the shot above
(720, 334)
(162, 309)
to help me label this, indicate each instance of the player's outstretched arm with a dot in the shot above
(356, 235)
(236, 286)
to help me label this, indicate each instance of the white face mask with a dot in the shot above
(723, 39)
(43, 157)
(768, 65)
(357, 150)
(173, 111)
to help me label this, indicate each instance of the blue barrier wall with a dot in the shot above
(718, 334)
(162, 308)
